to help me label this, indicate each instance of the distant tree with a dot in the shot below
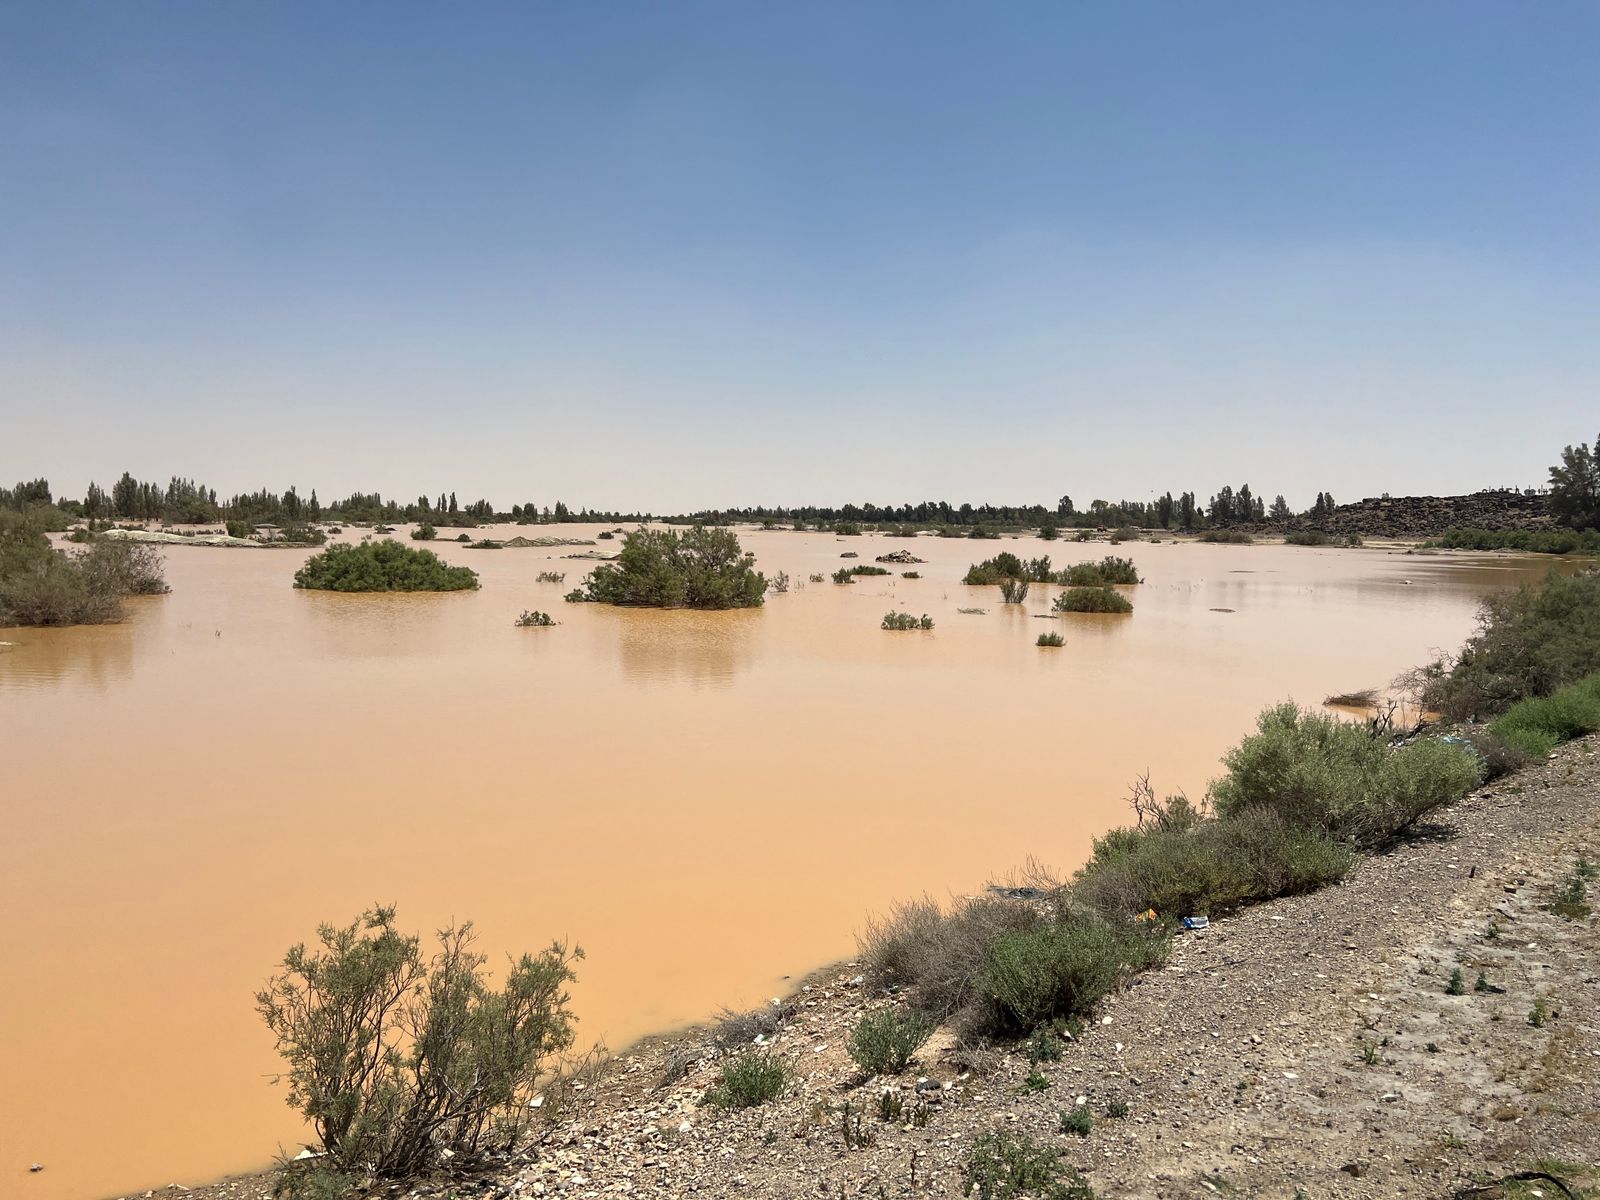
(1221, 508)
(1186, 511)
(1575, 487)
(1064, 507)
(1164, 508)
(1280, 509)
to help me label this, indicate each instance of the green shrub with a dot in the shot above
(1307, 537)
(424, 533)
(1061, 969)
(1052, 638)
(399, 1063)
(844, 575)
(703, 567)
(382, 567)
(1004, 1165)
(847, 528)
(1317, 771)
(883, 1043)
(904, 621)
(1537, 726)
(868, 569)
(1207, 866)
(1004, 565)
(1078, 1120)
(534, 618)
(1092, 600)
(1108, 570)
(1527, 541)
(1530, 642)
(40, 585)
(1013, 591)
(937, 956)
(1125, 533)
(750, 1080)
(910, 574)
(1232, 537)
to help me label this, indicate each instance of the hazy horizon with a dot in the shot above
(699, 256)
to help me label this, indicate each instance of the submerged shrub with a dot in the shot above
(40, 585)
(551, 577)
(1092, 600)
(534, 618)
(1052, 638)
(904, 621)
(382, 567)
(883, 1043)
(398, 1062)
(1108, 570)
(868, 569)
(1004, 565)
(1013, 591)
(779, 583)
(704, 567)
(1315, 770)
(424, 533)
(844, 575)
(750, 1079)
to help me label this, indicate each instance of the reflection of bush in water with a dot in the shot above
(680, 645)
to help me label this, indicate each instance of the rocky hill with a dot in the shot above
(1430, 516)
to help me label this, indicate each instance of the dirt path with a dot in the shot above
(1306, 1047)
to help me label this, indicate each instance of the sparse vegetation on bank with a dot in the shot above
(1091, 600)
(1526, 541)
(40, 585)
(1232, 537)
(703, 567)
(384, 566)
(1539, 724)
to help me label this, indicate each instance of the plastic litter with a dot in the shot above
(1197, 922)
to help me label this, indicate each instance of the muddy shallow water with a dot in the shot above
(707, 802)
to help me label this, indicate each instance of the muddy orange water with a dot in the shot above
(710, 803)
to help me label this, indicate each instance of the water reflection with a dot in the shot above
(96, 656)
(701, 649)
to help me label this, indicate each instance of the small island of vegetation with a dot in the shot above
(40, 585)
(382, 567)
(1092, 600)
(702, 567)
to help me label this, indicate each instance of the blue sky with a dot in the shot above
(672, 255)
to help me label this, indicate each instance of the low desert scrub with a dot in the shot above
(868, 569)
(750, 1079)
(1307, 537)
(1231, 537)
(400, 1062)
(904, 621)
(534, 619)
(779, 583)
(1125, 533)
(1317, 771)
(734, 1029)
(1571, 899)
(1537, 726)
(551, 577)
(1051, 638)
(1060, 968)
(382, 567)
(1004, 1165)
(1108, 570)
(883, 1043)
(40, 585)
(844, 575)
(1091, 600)
(1077, 1120)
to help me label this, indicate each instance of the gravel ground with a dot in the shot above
(1305, 1047)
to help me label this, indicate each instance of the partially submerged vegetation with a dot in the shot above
(905, 620)
(1109, 570)
(382, 567)
(534, 619)
(1091, 600)
(1051, 638)
(702, 567)
(40, 585)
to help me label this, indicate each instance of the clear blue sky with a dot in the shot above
(678, 254)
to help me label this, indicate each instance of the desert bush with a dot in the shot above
(1125, 533)
(704, 567)
(1528, 541)
(1092, 600)
(1207, 866)
(534, 618)
(883, 1043)
(779, 583)
(1061, 969)
(910, 574)
(1232, 537)
(735, 1029)
(1307, 537)
(938, 956)
(382, 567)
(424, 533)
(551, 577)
(1052, 638)
(1529, 642)
(844, 575)
(1108, 570)
(750, 1079)
(1364, 698)
(1537, 726)
(904, 621)
(1002, 566)
(1013, 591)
(1496, 756)
(847, 528)
(868, 569)
(399, 1062)
(817, 577)
(1315, 770)
(1004, 1165)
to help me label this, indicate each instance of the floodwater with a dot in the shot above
(710, 803)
